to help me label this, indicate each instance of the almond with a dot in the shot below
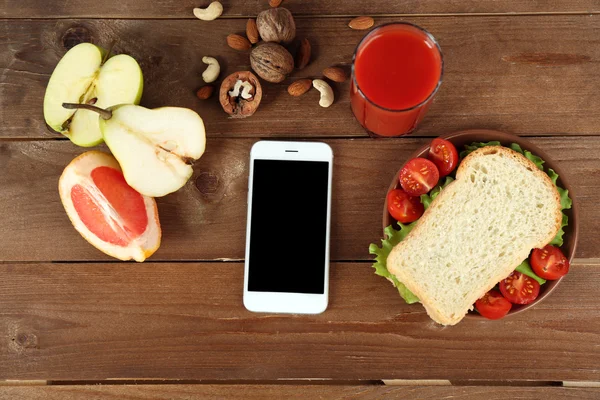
(300, 87)
(336, 74)
(205, 92)
(238, 42)
(275, 3)
(303, 54)
(252, 31)
(361, 23)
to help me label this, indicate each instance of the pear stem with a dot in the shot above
(107, 55)
(105, 114)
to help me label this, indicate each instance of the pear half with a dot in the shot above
(82, 77)
(155, 148)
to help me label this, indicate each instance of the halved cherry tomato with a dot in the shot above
(444, 155)
(549, 263)
(418, 176)
(404, 208)
(492, 305)
(519, 288)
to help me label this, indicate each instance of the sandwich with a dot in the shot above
(475, 232)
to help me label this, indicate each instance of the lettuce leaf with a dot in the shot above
(558, 239)
(533, 158)
(565, 203)
(525, 269)
(553, 175)
(393, 237)
(565, 200)
(427, 198)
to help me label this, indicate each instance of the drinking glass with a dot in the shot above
(397, 69)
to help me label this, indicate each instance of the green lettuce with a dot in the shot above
(565, 204)
(393, 237)
(558, 239)
(525, 269)
(565, 200)
(427, 198)
(531, 157)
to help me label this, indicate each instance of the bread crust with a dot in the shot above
(415, 287)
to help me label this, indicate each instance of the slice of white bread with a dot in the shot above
(476, 232)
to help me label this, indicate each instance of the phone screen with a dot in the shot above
(288, 226)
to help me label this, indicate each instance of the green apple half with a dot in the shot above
(155, 148)
(82, 77)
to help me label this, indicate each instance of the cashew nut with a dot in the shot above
(213, 11)
(326, 92)
(211, 73)
(246, 88)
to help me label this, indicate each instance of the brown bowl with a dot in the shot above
(459, 139)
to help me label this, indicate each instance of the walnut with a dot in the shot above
(240, 94)
(271, 61)
(276, 25)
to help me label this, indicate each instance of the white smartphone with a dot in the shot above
(287, 234)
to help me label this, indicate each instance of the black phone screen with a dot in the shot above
(288, 226)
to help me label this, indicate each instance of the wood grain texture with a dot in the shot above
(533, 75)
(186, 321)
(236, 8)
(266, 392)
(206, 219)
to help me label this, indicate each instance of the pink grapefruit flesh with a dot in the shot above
(126, 218)
(106, 211)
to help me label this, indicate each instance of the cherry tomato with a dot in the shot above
(418, 176)
(549, 263)
(519, 288)
(404, 208)
(492, 305)
(444, 156)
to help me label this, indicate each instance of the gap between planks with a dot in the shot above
(307, 16)
(577, 261)
(308, 381)
(307, 138)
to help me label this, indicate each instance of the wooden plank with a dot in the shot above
(266, 392)
(588, 384)
(523, 74)
(232, 8)
(206, 219)
(186, 321)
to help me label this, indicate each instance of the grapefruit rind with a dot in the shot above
(79, 172)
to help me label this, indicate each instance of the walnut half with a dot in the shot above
(240, 94)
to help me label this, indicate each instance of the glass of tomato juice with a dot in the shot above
(396, 70)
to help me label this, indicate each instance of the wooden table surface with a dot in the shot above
(175, 326)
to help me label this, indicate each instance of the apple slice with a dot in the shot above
(155, 148)
(82, 77)
(106, 211)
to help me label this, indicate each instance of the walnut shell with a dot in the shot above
(238, 107)
(276, 25)
(271, 61)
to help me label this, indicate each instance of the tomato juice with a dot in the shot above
(397, 69)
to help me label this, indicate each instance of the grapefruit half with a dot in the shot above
(106, 211)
